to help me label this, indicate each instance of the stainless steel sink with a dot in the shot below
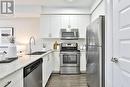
(37, 53)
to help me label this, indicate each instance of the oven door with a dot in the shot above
(69, 59)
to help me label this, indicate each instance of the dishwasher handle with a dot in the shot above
(29, 68)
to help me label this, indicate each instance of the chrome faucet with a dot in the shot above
(30, 44)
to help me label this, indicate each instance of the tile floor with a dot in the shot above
(58, 80)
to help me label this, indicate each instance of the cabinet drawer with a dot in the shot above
(13, 80)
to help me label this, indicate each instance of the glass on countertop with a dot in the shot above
(3, 55)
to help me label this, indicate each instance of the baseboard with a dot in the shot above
(56, 72)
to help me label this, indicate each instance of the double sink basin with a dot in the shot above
(37, 53)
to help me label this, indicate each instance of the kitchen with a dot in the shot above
(45, 27)
(64, 43)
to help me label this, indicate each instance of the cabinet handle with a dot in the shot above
(8, 83)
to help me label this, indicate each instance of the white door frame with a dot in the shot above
(108, 41)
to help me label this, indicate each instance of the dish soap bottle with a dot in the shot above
(55, 45)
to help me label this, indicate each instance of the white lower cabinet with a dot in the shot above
(44, 71)
(47, 68)
(82, 61)
(13, 80)
(56, 62)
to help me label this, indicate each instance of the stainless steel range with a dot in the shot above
(69, 58)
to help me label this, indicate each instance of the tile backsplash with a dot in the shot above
(48, 43)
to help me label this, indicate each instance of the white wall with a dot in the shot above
(100, 10)
(109, 42)
(24, 28)
(27, 10)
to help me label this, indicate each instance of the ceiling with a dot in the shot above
(58, 3)
(64, 3)
(28, 2)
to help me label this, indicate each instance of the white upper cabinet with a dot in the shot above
(69, 21)
(64, 21)
(51, 24)
(55, 26)
(83, 22)
(76, 21)
(73, 20)
(45, 27)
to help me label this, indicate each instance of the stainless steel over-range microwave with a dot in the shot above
(72, 34)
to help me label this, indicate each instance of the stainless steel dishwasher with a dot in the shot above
(33, 74)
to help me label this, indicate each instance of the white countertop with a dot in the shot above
(9, 68)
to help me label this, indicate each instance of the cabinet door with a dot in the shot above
(51, 56)
(13, 80)
(48, 66)
(45, 26)
(69, 21)
(55, 26)
(56, 62)
(83, 21)
(44, 70)
(83, 62)
(74, 21)
(65, 21)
